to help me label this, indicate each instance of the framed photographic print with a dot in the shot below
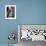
(10, 11)
(33, 32)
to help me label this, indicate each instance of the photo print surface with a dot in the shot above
(10, 11)
(32, 32)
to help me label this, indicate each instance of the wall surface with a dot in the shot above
(27, 12)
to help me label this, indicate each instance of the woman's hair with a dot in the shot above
(8, 11)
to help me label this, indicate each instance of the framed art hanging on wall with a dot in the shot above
(10, 11)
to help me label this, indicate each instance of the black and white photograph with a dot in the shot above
(10, 11)
(29, 35)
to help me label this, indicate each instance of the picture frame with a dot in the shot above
(10, 11)
(36, 32)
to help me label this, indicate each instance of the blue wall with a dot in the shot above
(27, 12)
